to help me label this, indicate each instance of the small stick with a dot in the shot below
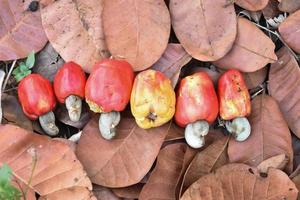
(8, 75)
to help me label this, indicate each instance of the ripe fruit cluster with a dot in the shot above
(153, 102)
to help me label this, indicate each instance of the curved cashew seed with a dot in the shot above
(108, 123)
(194, 133)
(47, 122)
(74, 105)
(240, 128)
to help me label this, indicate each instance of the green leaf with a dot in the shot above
(30, 60)
(16, 71)
(23, 67)
(7, 190)
(19, 77)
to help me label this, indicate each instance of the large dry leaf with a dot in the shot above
(47, 62)
(130, 192)
(171, 62)
(74, 28)
(206, 29)
(241, 182)
(204, 162)
(13, 113)
(162, 182)
(175, 132)
(278, 162)
(252, 5)
(289, 30)
(254, 79)
(21, 30)
(284, 86)
(136, 30)
(57, 171)
(269, 137)
(123, 161)
(289, 5)
(252, 49)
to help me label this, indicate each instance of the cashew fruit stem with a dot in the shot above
(108, 123)
(47, 122)
(74, 106)
(239, 127)
(194, 133)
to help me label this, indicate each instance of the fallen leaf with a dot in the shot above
(13, 113)
(271, 10)
(252, 5)
(269, 137)
(47, 62)
(175, 132)
(254, 79)
(21, 30)
(123, 161)
(289, 28)
(130, 192)
(163, 179)
(296, 180)
(62, 115)
(30, 195)
(278, 162)
(206, 29)
(55, 162)
(103, 193)
(240, 181)
(205, 162)
(74, 28)
(284, 80)
(171, 62)
(252, 49)
(137, 31)
(289, 5)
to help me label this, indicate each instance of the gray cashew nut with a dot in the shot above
(47, 122)
(108, 123)
(74, 106)
(240, 128)
(194, 133)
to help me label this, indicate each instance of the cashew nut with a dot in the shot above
(47, 122)
(108, 123)
(240, 128)
(195, 132)
(74, 105)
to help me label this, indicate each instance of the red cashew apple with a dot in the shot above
(196, 107)
(234, 103)
(107, 91)
(69, 84)
(37, 100)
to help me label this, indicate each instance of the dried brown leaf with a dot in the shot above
(130, 192)
(21, 30)
(206, 29)
(175, 132)
(162, 183)
(240, 181)
(74, 28)
(284, 86)
(271, 10)
(47, 62)
(30, 195)
(279, 162)
(205, 162)
(269, 137)
(124, 160)
(289, 5)
(171, 62)
(137, 31)
(252, 49)
(254, 79)
(13, 113)
(252, 5)
(289, 30)
(55, 163)
(103, 193)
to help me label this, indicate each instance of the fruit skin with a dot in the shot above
(69, 80)
(233, 95)
(153, 97)
(196, 100)
(109, 85)
(36, 96)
